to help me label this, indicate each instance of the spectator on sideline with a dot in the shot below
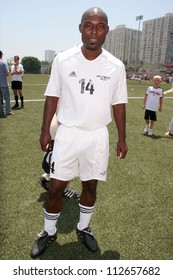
(17, 72)
(4, 89)
(170, 129)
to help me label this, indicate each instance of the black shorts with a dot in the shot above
(16, 85)
(150, 115)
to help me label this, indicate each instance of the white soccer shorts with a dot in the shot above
(80, 153)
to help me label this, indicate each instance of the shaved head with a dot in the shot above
(94, 28)
(95, 11)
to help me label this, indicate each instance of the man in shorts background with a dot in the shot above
(17, 72)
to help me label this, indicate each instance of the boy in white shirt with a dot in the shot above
(152, 103)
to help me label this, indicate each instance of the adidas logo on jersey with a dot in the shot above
(73, 74)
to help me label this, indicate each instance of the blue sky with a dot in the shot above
(28, 28)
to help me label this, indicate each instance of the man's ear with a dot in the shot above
(80, 28)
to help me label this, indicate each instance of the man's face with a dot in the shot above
(16, 60)
(94, 29)
(156, 82)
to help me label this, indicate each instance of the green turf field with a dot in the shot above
(133, 218)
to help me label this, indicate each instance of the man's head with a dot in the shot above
(16, 59)
(157, 80)
(94, 28)
(1, 54)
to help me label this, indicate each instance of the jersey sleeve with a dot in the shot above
(120, 92)
(54, 84)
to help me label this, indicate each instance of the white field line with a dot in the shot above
(140, 97)
(31, 100)
(130, 97)
(34, 84)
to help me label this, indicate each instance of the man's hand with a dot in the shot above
(121, 149)
(45, 141)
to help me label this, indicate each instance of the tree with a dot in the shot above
(31, 65)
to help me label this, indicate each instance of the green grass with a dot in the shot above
(134, 209)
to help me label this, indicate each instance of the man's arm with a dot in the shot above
(119, 112)
(161, 102)
(144, 101)
(50, 107)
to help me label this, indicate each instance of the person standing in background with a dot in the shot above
(152, 103)
(17, 72)
(4, 89)
(170, 129)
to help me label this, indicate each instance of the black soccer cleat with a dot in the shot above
(87, 238)
(69, 193)
(42, 243)
(44, 183)
(16, 106)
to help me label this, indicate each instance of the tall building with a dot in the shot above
(49, 55)
(169, 57)
(151, 45)
(122, 42)
(155, 39)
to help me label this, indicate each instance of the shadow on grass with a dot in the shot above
(76, 251)
(157, 137)
(69, 216)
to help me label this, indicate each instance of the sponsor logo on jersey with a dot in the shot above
(103, 78)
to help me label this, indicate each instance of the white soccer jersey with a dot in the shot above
(153, 98)
(87, 89)
(17, 77)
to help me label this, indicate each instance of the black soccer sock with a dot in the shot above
(21, 99)
(16, 99)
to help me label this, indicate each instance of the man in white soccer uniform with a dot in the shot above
(88, 80)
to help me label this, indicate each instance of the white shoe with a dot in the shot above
(146, 128)
(150, 132)
(168, 133)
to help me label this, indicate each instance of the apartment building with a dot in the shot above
(122, 42)
(151, 45)
(156, 35)
(49, 55)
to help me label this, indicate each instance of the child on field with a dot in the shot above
(152, 103)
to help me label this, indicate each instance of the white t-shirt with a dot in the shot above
(153, 98)
(17, 77)
(86, 88)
